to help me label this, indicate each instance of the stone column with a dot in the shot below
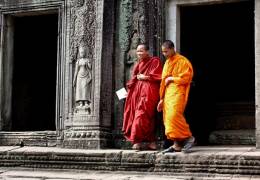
(173, 23)
(257, 71)
(91, 52)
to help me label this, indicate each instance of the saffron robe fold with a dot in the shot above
(141, 101)
(175, 96)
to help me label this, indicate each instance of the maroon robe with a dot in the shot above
(141, 101)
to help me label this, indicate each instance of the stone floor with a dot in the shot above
(50, 174)
(202, 163)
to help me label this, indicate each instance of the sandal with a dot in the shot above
(170, 149)
(189, 143)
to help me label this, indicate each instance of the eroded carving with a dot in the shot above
(83, 26)
(82, 45)
(82, 81)
(131, 55)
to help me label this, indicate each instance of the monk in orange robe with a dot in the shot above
(174, 90)
(142, 99)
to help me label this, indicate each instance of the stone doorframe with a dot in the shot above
(95, 27)
(29, 8)
(257, 71)
(173, 32)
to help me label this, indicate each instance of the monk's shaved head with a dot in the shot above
(146, 47)
(168, 44)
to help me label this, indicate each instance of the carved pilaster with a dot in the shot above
(91, 29)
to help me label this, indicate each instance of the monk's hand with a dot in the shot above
(142, 77)
(168, 80)
(159, 106)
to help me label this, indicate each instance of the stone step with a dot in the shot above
(200, 162)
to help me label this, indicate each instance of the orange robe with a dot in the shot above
(175, 96)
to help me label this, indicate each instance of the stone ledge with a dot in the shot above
(244, 160)
(36, 138)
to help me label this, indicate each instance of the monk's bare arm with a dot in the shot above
(142, 77)
(160, 106)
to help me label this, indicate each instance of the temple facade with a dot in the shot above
(63, 60)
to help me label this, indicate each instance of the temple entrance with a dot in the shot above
(34, 72)
(219, 41)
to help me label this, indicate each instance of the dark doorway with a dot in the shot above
(34, 73)
(219, 41)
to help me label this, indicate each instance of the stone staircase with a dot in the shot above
(206, 162)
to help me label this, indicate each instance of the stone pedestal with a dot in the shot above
(83, 132)
(87, 139)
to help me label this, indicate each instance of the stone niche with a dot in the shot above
(82, 33)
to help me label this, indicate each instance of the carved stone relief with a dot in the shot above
(82, 81)
(82, 45)
(131, 54)
(143, 19)
(138, 33)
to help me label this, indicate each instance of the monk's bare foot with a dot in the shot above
(152, 146)
(136, 146)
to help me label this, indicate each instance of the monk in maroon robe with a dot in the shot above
(142, 99)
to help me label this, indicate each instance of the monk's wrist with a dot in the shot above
(172, 79)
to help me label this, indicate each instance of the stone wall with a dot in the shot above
(110, 32)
